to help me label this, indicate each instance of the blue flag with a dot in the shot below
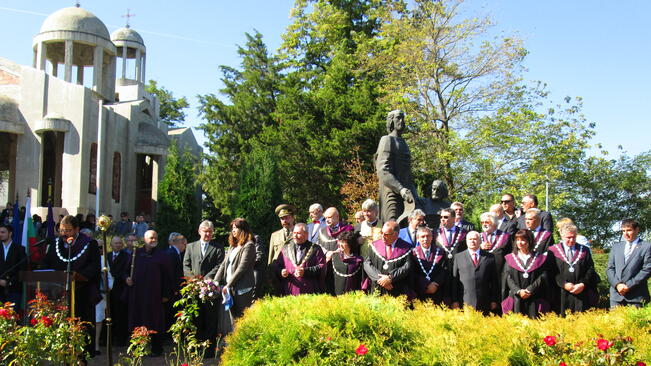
(50, 222)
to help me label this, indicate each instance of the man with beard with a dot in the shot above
(82, 254)
(149, 289)
(283, 236)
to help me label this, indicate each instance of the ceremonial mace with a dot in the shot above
(104, 222)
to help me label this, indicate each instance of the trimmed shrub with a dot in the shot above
(357, 329)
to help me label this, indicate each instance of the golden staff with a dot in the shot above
(104, 222)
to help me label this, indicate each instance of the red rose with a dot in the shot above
(46, 321)
(184, 364)
(5, 313)
(329, 339)
(180, 313)
(562, 364)
(640, 363)
(550, 340)
(361, 350)
(603, 344)
(34, 321)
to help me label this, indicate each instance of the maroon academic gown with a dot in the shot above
(450, 250)
(347, 273)
(535, 281)
(398, 266)
(583, 272)
(313, 262)
(152, 281)
(430, 269)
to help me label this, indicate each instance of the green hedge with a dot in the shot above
(319, 329)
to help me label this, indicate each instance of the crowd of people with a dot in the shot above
(512, 264)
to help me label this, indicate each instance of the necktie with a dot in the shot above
(285, 234)
(570, 254)
(388, 251)
(413, 236)
(426, 253)
(450, 236)
(474, 259)
(627, 251)
(115, 255)
(204, 246)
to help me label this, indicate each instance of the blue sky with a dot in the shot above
(599, 50)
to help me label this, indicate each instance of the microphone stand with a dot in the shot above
(68, 271)
(104, 223)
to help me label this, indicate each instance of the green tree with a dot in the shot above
(171, 109)
(230, 129)
(605, 191)
(178, 207)
(259, 191)
(441, 69)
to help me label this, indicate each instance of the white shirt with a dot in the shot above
(6, 247)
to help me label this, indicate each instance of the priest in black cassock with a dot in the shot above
(83, 254)
(573, 273)
(429, 268)
(525, 273)
(388, 263)
(149, 289)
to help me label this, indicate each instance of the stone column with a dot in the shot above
(68, 61)
(144, 62)
(124, 61)
(80, 74)
(40, 56)
(98, 64)
(138, 60)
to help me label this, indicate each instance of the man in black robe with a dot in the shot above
(149, 289)
(388, 263)
(83, 255)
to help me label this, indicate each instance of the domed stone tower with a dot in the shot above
(131, 56)
(76, 41)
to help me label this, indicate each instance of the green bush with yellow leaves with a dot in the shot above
(358, 329)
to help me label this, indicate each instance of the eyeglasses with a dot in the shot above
(445, 217)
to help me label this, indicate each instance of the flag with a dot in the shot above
(29, 235)
(50, 221)
(15, 223)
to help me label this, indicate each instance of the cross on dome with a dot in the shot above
(128, 15)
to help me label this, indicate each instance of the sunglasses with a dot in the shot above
(507, 201)
(445, 217)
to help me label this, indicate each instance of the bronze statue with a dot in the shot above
(393, 166)
(432, 206)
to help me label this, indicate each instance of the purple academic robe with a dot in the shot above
(582, 272)
(152, 281)
(347, 273)
(398, 267)
(314, 262)
(428, 270)
(535, 281)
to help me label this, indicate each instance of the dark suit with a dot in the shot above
(546, 221)
(119, 312)
(507, 225)
(634, 273)
(242, 280)
(405, 234)
(176, 259)
(196, 264)
(466, 225)
(16, 253)
(476, 286)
